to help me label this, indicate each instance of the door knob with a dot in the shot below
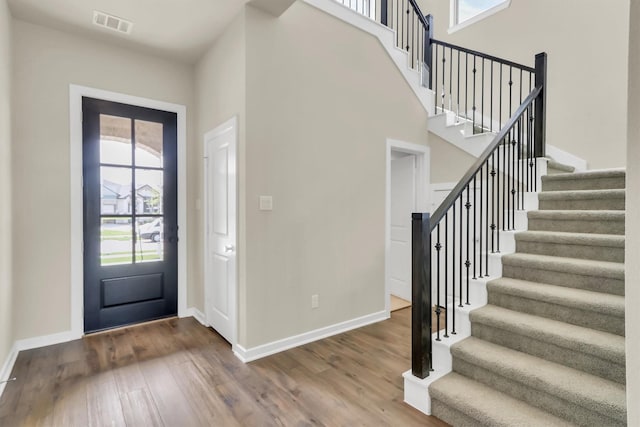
(228, 248)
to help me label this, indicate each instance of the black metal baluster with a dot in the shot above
(510, 91)
(467, 262)
(460, 258)
(435, 80)
(505, 176)
(486, 224)
(500, 103)
(438, 247)
(410, 46)
(458, 91)
(513, 179)
(507, 194)
(531, 161)
(493, 202)
(497, 206)
(402, 29)
(446, 275)
(516, 148)
(479, 260)
(482, 100)
(491, 101)
(466, 86)
(453, 273)
(450, 77)
(444, 73)
(473, 108)
(475, 233)
(520, 86)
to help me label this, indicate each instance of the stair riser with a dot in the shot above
(570, 280)
(583, 204)
(574, 316)
(583, 184)
(544, 399)
(451, 416)
(590, 364)
(577, 226)
(599, 253)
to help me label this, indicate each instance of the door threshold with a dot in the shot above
(130, 325)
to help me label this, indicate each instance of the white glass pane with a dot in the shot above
(148, 144)
(115, 140)
(149, 190)
(469, 8)
(150, 242)
(115, 191)
(116, 241)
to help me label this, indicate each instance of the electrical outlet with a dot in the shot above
(315, 301)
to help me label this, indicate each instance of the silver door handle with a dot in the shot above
(228, 248)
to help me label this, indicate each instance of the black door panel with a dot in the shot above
(130, 214)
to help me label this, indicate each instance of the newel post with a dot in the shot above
(541, 106)
(421, 295)
(428, 48)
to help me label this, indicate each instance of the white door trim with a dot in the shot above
(75, 129)
(231, 124)
(422, 154)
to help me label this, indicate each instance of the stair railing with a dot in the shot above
(452, 246)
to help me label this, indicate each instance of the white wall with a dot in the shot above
(6, 283)
(587, 43)
(632, 240)
(220, 95)
(316, 87)
(45, 62)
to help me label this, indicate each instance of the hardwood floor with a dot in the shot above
(178, 373)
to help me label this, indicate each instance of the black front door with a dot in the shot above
(130, 214)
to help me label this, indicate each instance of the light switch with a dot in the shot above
(266, 203)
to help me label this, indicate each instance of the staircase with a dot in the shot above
(549, 347)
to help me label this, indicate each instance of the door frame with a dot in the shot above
(76, 93)
(423, 159)
(231, 124)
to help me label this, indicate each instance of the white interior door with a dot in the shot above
(220, 218)
(403, 203)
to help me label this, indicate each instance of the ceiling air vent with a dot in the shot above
(111, 22)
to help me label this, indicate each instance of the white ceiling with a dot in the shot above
(180, 29)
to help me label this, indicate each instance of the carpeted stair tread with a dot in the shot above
(598, 179)
(590, 392)
(614, 270)
(559, 168)
(582, 194)
(607, 240)
(591, 174)
(604, 247)
(582, 199)
(583, 221)
(485, 406)
(596, 302)
(603, 345)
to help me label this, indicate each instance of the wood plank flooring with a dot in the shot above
(178, 373)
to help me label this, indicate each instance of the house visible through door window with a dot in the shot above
(465, 10)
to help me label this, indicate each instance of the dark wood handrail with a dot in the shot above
(485, 56)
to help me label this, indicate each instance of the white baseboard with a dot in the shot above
(197, 314)
(28, 344)
(45, 340)
(7, 367)
(264, 350)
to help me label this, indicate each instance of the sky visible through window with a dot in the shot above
(469, 8)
